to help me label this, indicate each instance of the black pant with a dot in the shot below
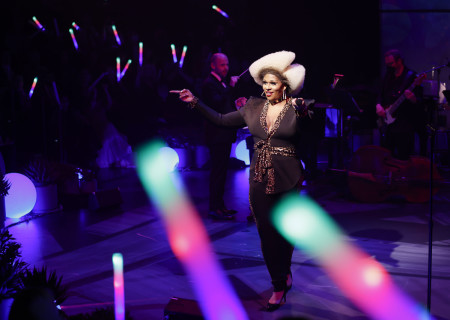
(277, 252)
(219, 158)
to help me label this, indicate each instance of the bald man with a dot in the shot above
(217, 93)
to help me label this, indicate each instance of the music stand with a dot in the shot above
(344, 102)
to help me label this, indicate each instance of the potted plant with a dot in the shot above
(44, 177)
(12, 269)
(41, 295)
(4, 188)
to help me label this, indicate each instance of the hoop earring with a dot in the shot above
(263, 94)
(284, 94)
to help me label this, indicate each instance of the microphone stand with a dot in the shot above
(432, 135)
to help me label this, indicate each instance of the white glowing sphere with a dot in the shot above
(242, 152)
(21, 196)
(171, 158)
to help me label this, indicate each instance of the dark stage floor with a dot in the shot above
(78, 245)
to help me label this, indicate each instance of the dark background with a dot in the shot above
(327, 36)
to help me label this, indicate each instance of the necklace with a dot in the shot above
(274, 102)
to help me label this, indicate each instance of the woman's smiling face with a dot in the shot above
(273, 87)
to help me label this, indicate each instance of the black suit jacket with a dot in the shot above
(221, 99)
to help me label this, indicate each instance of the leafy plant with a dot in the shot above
(4, 186)
(12, 268)
(37, 278)
(41, 172)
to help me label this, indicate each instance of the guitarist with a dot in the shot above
(398, 136)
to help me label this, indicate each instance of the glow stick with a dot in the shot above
(75, 26)
(74, 40)
(187, 235)
(182, 56)
(220, 11)
(119, 295)
(118, 68)
(32, 87)
(174, 53)
(55, 90)
(116, 35)
(305, 224)
(141, 53)
(125, 69)
(38, 24)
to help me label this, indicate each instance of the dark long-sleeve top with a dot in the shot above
(220, 98)
(392, 88)
(275, 161)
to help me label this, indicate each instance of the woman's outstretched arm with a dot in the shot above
(232, 119)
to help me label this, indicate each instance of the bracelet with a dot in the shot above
(193, 103)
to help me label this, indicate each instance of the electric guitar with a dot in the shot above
(389, 118)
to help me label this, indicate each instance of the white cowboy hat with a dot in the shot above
(280, 61)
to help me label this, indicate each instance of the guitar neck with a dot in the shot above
(402, 98)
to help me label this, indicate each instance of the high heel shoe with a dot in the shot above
(289, 287)
(274, 306)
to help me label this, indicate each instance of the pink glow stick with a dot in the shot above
(125, 69)
(38, 24)
(118, 68)
(74, 40)
(174, 53)
(220, 11)
(32, 87)
(116, 35)
(141, 53)
(119, 292)
(182, 56)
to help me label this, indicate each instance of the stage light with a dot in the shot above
(242, 152)
(21, 197)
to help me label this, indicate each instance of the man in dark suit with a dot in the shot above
(217, 94)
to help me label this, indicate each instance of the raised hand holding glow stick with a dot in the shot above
(74, 40)
(141, 53)
(116, 35)
(182, 56)
(220, 11)
(125, 69)
(174, 53)
(119, 292)
(38, 24)
(32, 87)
